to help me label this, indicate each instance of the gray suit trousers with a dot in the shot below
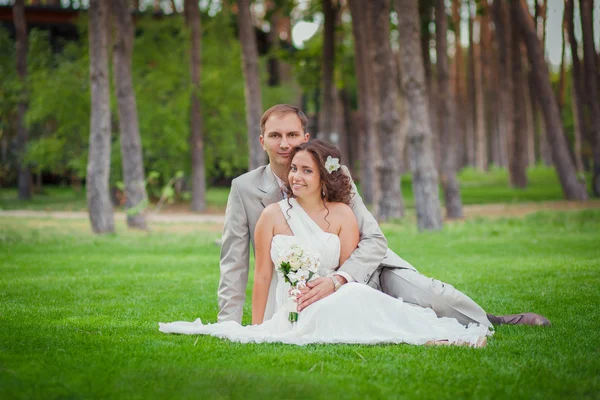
(419, 290)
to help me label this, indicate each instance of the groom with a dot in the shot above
(283, 127)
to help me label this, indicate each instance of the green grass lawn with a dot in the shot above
(79, 313)
(476, 188)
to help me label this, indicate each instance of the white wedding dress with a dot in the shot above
(356, 313)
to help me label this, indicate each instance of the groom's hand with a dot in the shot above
(315, 291)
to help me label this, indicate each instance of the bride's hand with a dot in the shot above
(303, 291)
(317, 289)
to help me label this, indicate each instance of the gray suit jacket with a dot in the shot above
(250, 194)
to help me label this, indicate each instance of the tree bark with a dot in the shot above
(577, 142)
(192, 16)
(459, 92)
(420, 147)
(576, 75)
(328, 90)
(252, 90)
(361, 34)
(447, 129)
(273, 66)
(426, 17)
(98, 168)
(131, 143)
(572, 188)
(586, 8)
(503, 36)
(24, 179)
(470, 132)
(489, 99)
(530, 106)
(493, 90)
(517, 165)
(545, 153)
(481, 156)
(388, 202)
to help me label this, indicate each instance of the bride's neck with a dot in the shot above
(312, 204)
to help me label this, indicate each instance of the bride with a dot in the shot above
(316, 216)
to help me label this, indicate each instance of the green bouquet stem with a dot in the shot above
(293, 317)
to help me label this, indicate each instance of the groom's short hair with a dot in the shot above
(280, 110)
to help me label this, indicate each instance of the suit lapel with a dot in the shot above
(268, 185)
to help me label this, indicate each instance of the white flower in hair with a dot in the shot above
(332, 164)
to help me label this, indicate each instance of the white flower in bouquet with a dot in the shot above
(298, 266)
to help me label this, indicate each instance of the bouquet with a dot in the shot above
(298, 266)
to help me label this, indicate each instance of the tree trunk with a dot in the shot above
(446, 118)
(24, 180)
(273, 66)
(192, 15)
(493, 89)
(470, 114)
(503, 35)
(489, 98)
(131, 144)
(252, 90)
(576, 75)
(577, 143)
(459, 92)
(420, 147)
(341, 136)
(345, 124)
(481, 156)
(530, 107)
(572, 188)
(4, 149)
(98, 168)
(517, 165)
(586, 8)
(388, 202)
(328, 90)
(425, 16)
(361, 34)
(545, 153)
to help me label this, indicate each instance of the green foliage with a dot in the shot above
(8, 81)
(79, 317)
(59, 100)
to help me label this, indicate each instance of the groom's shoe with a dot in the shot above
(519, 319)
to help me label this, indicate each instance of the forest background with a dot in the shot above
(473, 121)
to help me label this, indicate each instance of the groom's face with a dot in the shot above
(281, 134)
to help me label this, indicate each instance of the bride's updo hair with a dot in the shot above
(335, 186)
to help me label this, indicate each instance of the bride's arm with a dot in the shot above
(349, 234)
(263, 267)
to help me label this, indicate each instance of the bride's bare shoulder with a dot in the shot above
(271, 209)
(273, 212)
(341, 210)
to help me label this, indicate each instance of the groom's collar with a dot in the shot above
(269, 186)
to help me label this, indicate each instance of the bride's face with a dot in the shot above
(304, 176)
